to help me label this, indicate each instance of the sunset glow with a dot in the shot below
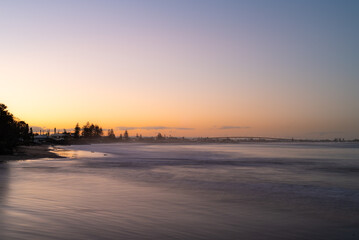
(183, 68)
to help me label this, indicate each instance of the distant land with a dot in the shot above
(15, 133)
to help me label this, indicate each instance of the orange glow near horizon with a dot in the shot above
(218, 74)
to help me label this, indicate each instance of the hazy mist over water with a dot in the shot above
(184, 191)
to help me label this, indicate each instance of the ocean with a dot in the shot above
(184, 191)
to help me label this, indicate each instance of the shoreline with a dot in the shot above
(46, 151)
(30, 152)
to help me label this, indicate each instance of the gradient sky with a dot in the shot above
(185, 68)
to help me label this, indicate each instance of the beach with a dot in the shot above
(30, 152)
(184, 191)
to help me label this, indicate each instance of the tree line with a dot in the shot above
(91, 130)
(13, 132)
(88, 131)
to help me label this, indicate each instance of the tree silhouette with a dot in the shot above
(159, 136)
(12, 131)
(125, 135)
(31, 135)
(86, 130)
(97, 131)
(111, 134)
(77, 131)
(23, 131)
(91, 131)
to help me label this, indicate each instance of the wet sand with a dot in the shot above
(30, 152)
(167, 191)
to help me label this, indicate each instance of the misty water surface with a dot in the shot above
(184, 191)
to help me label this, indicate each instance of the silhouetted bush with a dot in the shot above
(91, 131)
(77, 131)
(12, 131)
(111, 134)
(126, 136)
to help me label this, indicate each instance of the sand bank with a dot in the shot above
(30, 152)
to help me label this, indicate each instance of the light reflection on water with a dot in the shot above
(140, 191)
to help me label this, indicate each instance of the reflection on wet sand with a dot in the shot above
(4, 185)
(136, 191)
(4, 178)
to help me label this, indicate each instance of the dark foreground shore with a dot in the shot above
(272, 191)
(29, 152)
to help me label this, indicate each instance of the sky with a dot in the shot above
(184, 68)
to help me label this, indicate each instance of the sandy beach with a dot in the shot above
(182, 191)
(30, 152)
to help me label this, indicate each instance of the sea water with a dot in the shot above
(184, 191)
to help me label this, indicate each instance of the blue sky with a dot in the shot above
(284, 68)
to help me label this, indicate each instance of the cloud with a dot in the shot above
(183, 128)
(126, 128)
(325, 133)
(153, 128)
(37, 129)
(233, 127)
